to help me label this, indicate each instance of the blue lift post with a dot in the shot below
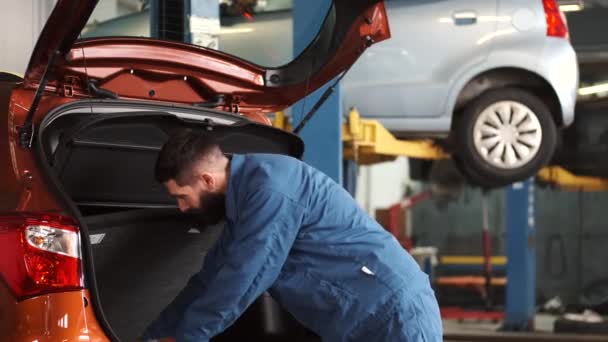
(323, 133)
(521, 257)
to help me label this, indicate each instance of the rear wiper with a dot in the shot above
(26, 132)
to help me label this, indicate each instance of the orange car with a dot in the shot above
(91, 248)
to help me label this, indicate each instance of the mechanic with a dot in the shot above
(293, 231)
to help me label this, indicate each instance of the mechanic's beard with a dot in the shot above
(212, 208)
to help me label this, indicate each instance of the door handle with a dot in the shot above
(464, 17)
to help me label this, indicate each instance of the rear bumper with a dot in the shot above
(559, 66)
(50, 318)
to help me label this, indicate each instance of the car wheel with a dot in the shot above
(504, 136)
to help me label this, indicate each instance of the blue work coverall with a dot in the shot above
(293, 231)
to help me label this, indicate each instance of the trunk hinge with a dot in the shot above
(234, 102)
(218, 100)
(26, 132)
(222, 100)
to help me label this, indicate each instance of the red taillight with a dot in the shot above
(557, 26)
(39, 254)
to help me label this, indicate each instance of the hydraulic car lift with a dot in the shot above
(367, 142)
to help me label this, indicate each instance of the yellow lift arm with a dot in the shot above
(569, 181)
(368, 142)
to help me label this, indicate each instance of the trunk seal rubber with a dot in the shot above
(87, 252)
(64, 198)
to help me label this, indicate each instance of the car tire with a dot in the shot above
(474, 178)
(504, 136)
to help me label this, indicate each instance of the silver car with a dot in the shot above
(493, 79)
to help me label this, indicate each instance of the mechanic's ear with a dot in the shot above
(207, 181)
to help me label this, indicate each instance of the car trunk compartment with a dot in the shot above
(142, 251)
(140, 266)
(143, 258)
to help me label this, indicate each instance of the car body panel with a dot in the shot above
(560, 68)
(30, 190)
(410, 74)
(561, 83)
(519, 41)
(8, 188)
(62, 316)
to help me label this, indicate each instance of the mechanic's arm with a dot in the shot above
(264, 216)
(252, 252)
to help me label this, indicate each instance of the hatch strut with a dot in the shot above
(368, 42)
(318, 104)
(26, 132)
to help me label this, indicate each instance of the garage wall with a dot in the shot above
(382, 185)
(455, 229)
(571, 235)
(21, 22)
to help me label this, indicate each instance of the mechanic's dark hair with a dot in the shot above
(179, 154)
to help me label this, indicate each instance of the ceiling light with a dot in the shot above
(594, 89)
(224, 31)
(571, 8)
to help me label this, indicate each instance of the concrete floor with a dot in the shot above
(474, 331)
(543, 323)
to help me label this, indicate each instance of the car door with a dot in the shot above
(432, 42)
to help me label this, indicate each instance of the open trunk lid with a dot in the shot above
(168, 71)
